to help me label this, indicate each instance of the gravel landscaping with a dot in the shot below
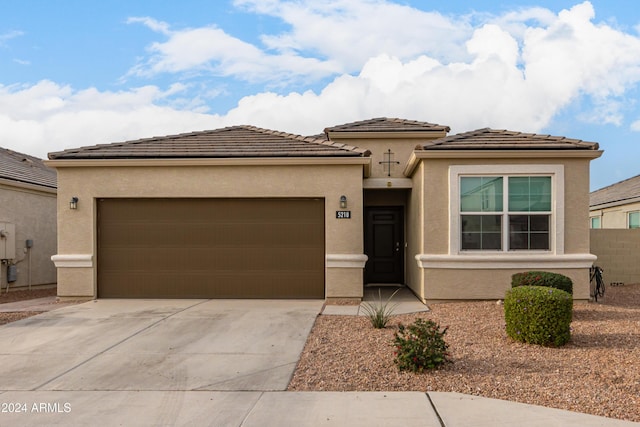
(597, 372)
(13, 296)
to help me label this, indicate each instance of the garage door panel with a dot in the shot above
(224, 284)
(211, 248)
(161, 234)
(212, 258)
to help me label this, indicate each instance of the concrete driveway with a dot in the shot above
(159, 345)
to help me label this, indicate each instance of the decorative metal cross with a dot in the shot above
(388, 162)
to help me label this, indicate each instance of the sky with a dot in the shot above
(84, 72)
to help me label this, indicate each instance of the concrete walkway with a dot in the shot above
(208, 362)
(278, 409)
(399, 299)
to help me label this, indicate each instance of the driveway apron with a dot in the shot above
(162, 345)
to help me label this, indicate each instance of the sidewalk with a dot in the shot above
(281, 408)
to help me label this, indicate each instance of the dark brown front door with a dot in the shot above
(384, 245)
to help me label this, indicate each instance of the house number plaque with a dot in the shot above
(343, 214)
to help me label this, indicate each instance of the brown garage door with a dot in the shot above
(211, 248)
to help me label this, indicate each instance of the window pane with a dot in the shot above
(530, 194)
(471, 241)
(481, 232)
(491, 223)
(481, 194)
(540, 194)
(492, 241)
(539, 222)
(595, 222)
(471, 223)
(539, 241)
(529, 232)
(518, 223)
(634, 219)
(518, 241)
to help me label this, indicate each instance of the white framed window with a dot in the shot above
(633, 219)
(595, 222)
(506, 209)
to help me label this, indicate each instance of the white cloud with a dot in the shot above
(511, 76)
(9, 35)
(325, 39)
(213, 51)
(351, 32)
(47, 117)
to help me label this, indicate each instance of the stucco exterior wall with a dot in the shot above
(615, 216)
(33, 212)
(618, 252)
(415, 238)
(445, 284)
(447, 274)
(76, 228)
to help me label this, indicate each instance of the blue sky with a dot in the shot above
(76, 73)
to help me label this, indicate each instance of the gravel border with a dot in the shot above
(597, 372)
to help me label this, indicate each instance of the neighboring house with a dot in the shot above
(244, 212)
(27, 221)
(616, 206)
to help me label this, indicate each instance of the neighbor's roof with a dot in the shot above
(384, 124)
(20, 167)
(234, 141)
(492, 139)
(620, 193)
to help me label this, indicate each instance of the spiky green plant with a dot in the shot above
(379, 312)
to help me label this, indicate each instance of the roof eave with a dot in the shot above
(28, 186)
(507, 154)
(387, 134)
(211, 161)
(614, 203)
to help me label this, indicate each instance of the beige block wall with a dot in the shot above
(616, 216)
(34, 214)
(618, 252)
(76, 228)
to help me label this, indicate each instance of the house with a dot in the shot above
(616, 206)
(245, 212)
(27, 221)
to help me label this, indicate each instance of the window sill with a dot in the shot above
(505, 260)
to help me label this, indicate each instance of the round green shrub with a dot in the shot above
(538, 315)
(542, 278)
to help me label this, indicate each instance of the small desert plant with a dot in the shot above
(542, 278)
(538, 315)
(420, 346)
(379, 313)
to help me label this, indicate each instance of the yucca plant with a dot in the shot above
(379, 312)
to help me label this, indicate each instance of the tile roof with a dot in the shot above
(20, 167)
(385, 124)
(493, 139)
(620, 193)
(233, 141)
